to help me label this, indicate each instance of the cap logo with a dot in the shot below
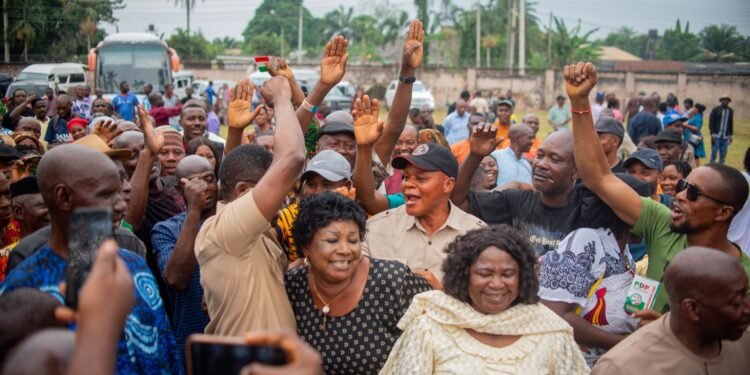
(421, 149)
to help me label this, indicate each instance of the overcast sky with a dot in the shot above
(218, 18)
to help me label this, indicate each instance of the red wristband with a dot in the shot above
(581, 111)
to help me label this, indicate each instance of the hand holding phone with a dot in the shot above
(219, 355)
(89, 228)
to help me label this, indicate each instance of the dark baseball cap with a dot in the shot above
(8, 152)
(506, 102)
(429, 157)
(648, 157)
(608, 125)
(336, 127)
(641, 187)
(666, 136)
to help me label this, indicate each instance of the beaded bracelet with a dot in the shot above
(581, 111)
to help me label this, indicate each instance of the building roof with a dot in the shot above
(617, 54)
(650, 66)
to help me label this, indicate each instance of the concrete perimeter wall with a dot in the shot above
(535, 90)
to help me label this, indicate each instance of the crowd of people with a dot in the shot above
(361, 245)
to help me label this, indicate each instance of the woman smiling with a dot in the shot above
(346, 305)
(488, 319)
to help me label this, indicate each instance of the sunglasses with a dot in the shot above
(693, 192)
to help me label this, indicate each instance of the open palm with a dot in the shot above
(154, 140)
(412, 55)
(367, 125)
(333, 65)
(238, 111)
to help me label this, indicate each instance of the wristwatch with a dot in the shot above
(407, 80)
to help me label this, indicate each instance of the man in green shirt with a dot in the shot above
(702, 211)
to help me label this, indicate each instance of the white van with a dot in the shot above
(64, 76)
(182, 80)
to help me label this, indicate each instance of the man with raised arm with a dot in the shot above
(702, 211)
(242, 265)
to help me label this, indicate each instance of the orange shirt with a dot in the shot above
(462, 149)
(532, 152)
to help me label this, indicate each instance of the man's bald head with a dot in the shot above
(532, 121)
(697, 272)
(62, 166)
(708, 294)
(63, 99)
(45, 352)
(129, 139)
(519, 130)
(191, 165)
(561, 141)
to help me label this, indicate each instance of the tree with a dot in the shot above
(274, 15)
(722, 43)
(678, 44)
(569, 45)
(627, 39)
(30, 24)
(338, 22)
(263, 44)
(392, 26)
(423, 14)
(192, 47)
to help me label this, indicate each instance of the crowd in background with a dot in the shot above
(364, 245)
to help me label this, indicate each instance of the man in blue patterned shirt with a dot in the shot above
(173, 241)
(147, 345)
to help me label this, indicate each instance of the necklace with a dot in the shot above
(327, 305)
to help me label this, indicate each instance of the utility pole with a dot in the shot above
(522, 38)
(299, 37)
(511, 36)
(479, 34)
(5, 31)
(190, 45)
(549, 41)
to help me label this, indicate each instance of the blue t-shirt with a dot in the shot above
(186, 313)
(210, 93)
(147, 345)
(57, 131)
(125, 106)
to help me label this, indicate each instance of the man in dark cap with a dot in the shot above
(428, 221)
(706, 330)
(646, 165)
(611, 133)
(671, 146)
(8, 158)
(721, 124)
(28, 206)
(338, 136)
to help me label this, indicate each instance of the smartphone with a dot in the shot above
(219, 355)
(89, 228)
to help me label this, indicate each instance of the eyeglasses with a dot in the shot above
(693, 192)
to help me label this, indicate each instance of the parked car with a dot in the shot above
(35, 87)
(182, 80)
(340, 97)
(420, 96)
(5, 81)
(64, 76)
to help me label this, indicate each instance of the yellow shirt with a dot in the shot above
(395, 235)
(242, 271)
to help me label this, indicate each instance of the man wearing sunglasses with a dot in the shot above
(702, 210)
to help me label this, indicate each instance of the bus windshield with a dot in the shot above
(136, 64)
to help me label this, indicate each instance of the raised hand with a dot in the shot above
(333, 65)
(238, 111)
(580, 79)
(276, 88)
(107, 130)
(367, 126)
(195, 193)
(482, 140)
(278, 66)
(154, 140)
(412, 55)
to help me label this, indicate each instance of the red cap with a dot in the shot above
(82, 122)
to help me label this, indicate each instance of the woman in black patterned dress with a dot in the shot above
(346, 305)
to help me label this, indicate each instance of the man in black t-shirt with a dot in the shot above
(545, 216)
